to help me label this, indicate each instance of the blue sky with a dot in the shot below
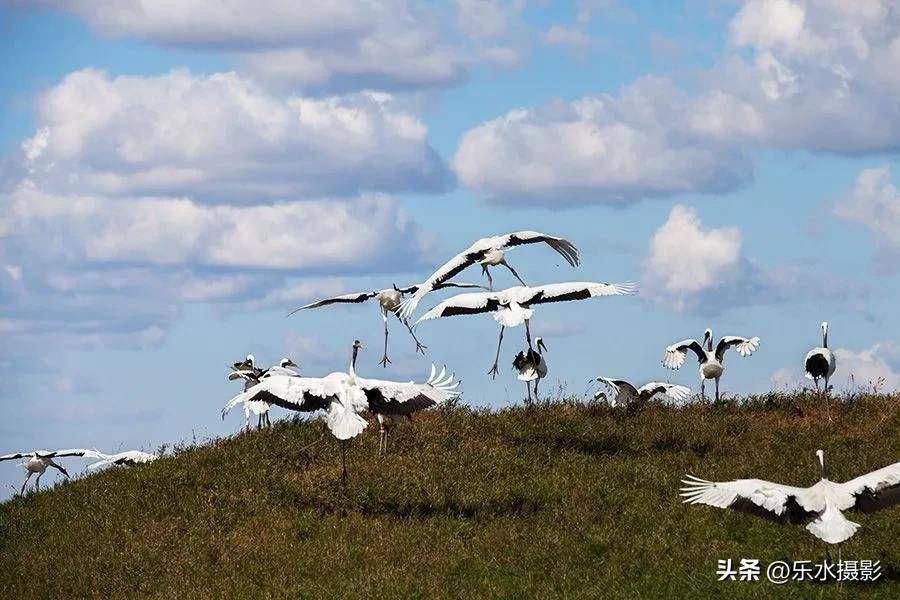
(175, 182)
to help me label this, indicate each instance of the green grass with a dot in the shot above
(558, 500)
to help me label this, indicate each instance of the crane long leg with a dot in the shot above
(24, 483)
(528, 334)
(486, 271)
(702, 388)
(494, 370)
(37, 482)
(344, 475)
(536, 382)
(513, 271)
(826, 385)
(384, 359)
(420, 347)
(247, 417)
(717, 389)
(528, 387)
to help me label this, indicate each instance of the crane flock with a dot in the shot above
(345, 398)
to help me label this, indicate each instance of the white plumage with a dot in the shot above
(129, 458)
(820, 363)
(627, 394)
(488, 252)
(343, 396)
(513, 306)
(711, 362)
(37, 461)
(819, 507)
(252, 375)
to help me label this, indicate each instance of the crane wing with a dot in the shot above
(617, 385)
(464, 304)
(477, 252)
(354, 298)
(565, 248)
(675, 354)
(291, 392)
(576, 290)
(395, 398)
(876, 490)
(773, 501)
(744, 346)
(448, 284)
(678, 393)
(52, 454)
(127, 458)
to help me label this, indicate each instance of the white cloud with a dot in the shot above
(365, 233)
(875, 202)
(686, 259)
(320, 44)
(876, 367)
(221, 138)
(693, 268)
(648, 141)
(559, 35)
(822, 75)
(819, 75)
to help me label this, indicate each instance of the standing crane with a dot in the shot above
(820, 362)
(531, 365)
(711, 366)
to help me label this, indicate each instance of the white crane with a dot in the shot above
(820, 363)
(531, 365)
(389, 301)
(37, 461)
(819, 507)
(129, 458)
(627, 394)
(251, 375)
(711, 366)
(345, 395)
(512, 307)
(488, 252)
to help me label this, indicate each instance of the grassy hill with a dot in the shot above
(554, 500)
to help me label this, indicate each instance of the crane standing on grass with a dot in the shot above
(711, 366)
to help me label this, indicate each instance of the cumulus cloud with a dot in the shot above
(222, 138)
(647, 141)
(321, 45)
(348, 235)
(693, 268)
(818, 75)
(685, 259)
(876, 367)
(875, 202)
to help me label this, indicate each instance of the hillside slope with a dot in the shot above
(558, 500)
